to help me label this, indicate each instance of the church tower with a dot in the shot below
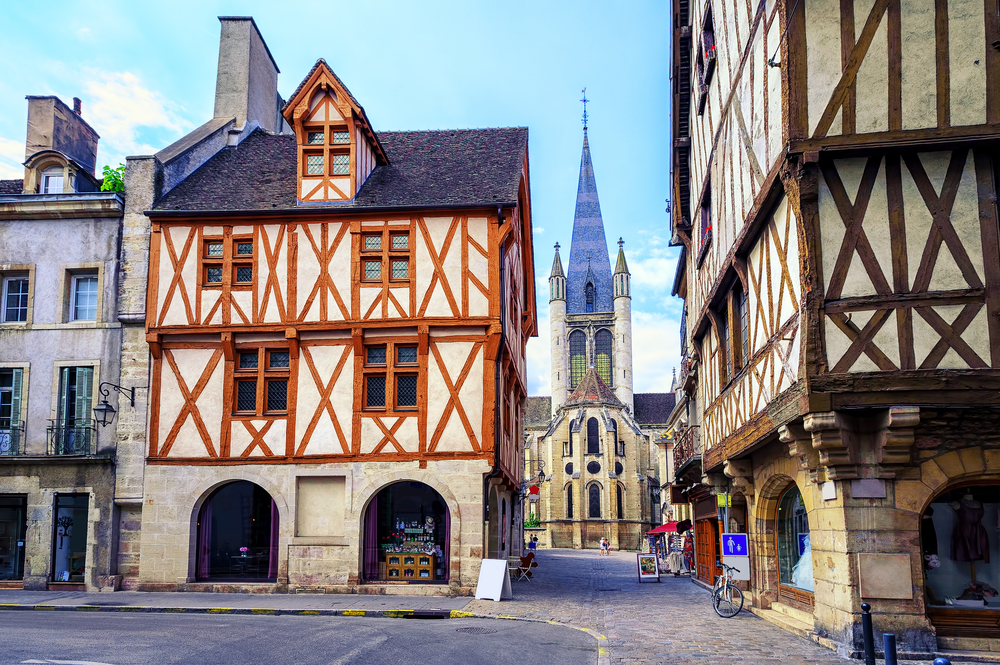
(590, 308)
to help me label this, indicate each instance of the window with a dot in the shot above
(391, 376)
(621, 502)
(794, 551)
(594, 499)
(385, 255)
(317, 138)
(593, 437)
(15, 299)
(741, 337)
(577, 357)
(341, 138)
(69, 547)
(724, 344)
(10, 410)
(569, 502)
(261, 381)
(605, 367)
(83, 297)
(705, 237)
(234, 256)
(314, 164)
(706, 58)
(591, 293)
(72, 432)
(52, 180)
(340, 164)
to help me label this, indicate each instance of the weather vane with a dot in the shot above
(585, 100)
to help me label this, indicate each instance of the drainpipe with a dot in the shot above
(496, 389)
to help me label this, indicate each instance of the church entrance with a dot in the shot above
(407, 535)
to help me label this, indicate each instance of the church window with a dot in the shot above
(621, 502)
(591, 297)
(595, 501)
(569, 502)
(593, 437)
(602, 342)
(577, 357)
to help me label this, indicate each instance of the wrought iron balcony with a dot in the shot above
(66, 437)
(11, 437)
(685, 449)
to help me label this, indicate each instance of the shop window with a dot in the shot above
(593, 437)
(407, 535)
(238, 534)
(391, 377)
(794, 549)
(385, 257)
(603, 356)
(13, 529)
(594, 499)
(261, 378)
(69, 546)
(11, 425)
(233, 256)
(15, 298)
(577, 357)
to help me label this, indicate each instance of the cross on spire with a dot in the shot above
(620, 242)
(585, 116)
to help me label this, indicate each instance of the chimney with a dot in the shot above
(247, 82)
(77, 106)
(53, 125)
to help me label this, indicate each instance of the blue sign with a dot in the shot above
(735, 544)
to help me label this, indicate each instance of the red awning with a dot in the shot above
(669, 527)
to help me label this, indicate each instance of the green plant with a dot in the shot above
(532, 521)
(114, 179)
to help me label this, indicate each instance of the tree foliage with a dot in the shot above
(114, 179)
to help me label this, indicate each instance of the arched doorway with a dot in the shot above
(961, 556)
(407, 535)
(238, 535)
(795, 571)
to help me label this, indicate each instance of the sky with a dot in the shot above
(146, 75)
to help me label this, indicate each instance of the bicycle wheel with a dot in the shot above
(728, 601)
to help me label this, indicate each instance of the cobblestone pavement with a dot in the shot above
(670, 622)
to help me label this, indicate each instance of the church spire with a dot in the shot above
(557, 280)
(589, 249)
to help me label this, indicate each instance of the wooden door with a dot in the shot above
(706, 552)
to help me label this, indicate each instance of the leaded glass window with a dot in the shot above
(341, 164)
(373, 270)
(375, 392)
(591, 297)
(375, 355)
(406, 390)
(248, 360)
(246, 396)
(603, 356)
(278, 359)
(244, 274)
(594, 501)
(400, 241)
(277, 395)
(316, 138)
(406, 354)
(400, 269)
(341, 138)
(314, 164)
(244, 249)
(372, 243)
(577, 357)
(214, 249)
(214, 276)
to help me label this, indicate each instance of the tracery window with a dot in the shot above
(605, 368)
(595, 501)
(577, 357)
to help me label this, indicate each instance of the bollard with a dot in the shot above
(942, 661)
(889, 644)
(867, 633)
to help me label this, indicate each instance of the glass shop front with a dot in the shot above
(407, 531)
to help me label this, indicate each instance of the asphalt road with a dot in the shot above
(139, 639)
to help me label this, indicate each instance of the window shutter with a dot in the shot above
(15, 406)
(63, 393)
(84, 391)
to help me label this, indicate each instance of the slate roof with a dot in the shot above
(537, 412)
(11, 186)
(589, 250)
(593, 390)
(426, 169)
(653, 408)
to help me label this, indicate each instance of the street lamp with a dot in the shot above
(104, 413)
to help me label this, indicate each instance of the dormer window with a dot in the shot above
(316, 138)
(52, 181)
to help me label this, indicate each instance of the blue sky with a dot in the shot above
(146, 75)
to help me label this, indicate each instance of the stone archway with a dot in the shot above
(237, 534)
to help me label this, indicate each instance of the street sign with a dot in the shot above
(735, 544)
(741, 564)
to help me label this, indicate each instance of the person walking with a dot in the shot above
(604, 546)
(533, 543)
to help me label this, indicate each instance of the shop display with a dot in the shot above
(409, 523)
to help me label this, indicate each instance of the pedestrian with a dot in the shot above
(533, 543)
(604, 546)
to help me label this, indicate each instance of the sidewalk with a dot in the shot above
(236, 603)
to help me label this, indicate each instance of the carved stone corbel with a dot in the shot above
(836, 442)
(800, 446)
(894, 440)
(740, 472)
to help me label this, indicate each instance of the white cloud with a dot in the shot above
(11, 157)
(538, 230)
(117, 105)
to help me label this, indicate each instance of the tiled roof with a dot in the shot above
(11, 186)
(653, 408)
(537, 412)
(593, 390)
(426, 169)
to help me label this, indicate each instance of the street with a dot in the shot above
(153, 639)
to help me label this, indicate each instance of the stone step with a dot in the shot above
(799, 615)
(785, 622)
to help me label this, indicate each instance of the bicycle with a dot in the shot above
(727, 599)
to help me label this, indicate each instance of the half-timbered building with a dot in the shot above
(337, 318)
(835, 196)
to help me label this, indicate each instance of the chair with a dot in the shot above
(522, 570)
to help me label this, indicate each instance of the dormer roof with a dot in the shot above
(593, 390)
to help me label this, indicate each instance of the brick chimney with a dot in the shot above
(77, 106)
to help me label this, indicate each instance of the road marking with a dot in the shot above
(45, 607)
(219, 610)
(315, 612)
(261, 611)
(65, 662)
(459, 614)
(353, 613)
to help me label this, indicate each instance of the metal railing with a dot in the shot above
(70, 438)
(685, 447)
(11, 437)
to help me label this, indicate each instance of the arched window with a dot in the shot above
(238, 534)
(593, 437)
(569, 502)
(794, 549)
(621, 503)
(595, 501)
(603, 360)
(591, 296)
(427, 521)
(577, 357)
(614, 435)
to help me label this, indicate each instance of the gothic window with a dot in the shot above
(591, 297)
(605, 368)
(593, 437)
(577, 357)
(595, 501)
(569, 502)
(621, 503)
